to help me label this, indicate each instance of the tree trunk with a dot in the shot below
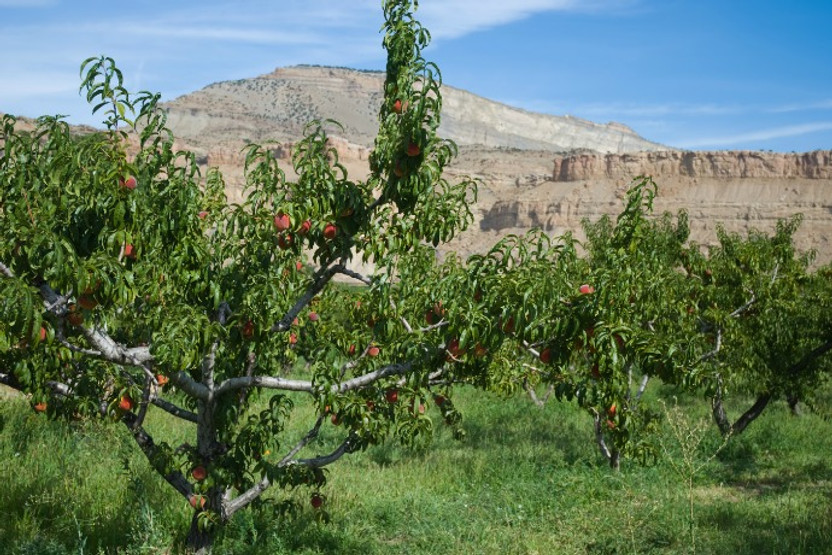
(793, 401)
(615, 460)
(751, 414)
(743, 421)
(718, 410)
(199, 541)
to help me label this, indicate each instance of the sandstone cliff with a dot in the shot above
(717, 165)
(738, 190)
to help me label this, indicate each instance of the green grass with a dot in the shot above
(524, 480)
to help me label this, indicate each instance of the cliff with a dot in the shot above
(738, 190)
(716, 165)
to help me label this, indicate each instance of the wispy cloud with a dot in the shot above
(231, 34)
(456, 18)
(820, 105)
(757, 136)
(662, 109)
(623, 110)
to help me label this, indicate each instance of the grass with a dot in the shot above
(523, 480)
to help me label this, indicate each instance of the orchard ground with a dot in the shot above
(523, 480)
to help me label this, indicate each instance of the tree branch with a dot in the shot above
(341, 269)
(270, 382)
(174, 410)
(751, 414)
(533, 394)
(810, 357)
(6, 271)
(242, 500)
(320, 280)
(157, 458)
(324, 460)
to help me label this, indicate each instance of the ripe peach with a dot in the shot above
(285, 241)
(87, 302)
(128, 183)
(399, 106)
(282, 221)
(199, 473)
(126, 403)
(454, 349)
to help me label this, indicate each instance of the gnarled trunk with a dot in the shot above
(743, 421)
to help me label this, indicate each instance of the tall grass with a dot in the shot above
(523, 480)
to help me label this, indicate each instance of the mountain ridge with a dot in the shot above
(278, 104)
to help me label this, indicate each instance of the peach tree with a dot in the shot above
(592, 328)
(128, 285)
(595, 328)
(764, 315)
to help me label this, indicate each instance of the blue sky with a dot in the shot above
(697, 74)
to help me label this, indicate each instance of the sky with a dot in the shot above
(691, 74)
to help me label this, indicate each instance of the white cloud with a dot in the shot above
(232, 34)
(820, 105)
(755, 136)
(654, 110)
(456, 18)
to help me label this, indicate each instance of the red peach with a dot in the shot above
(330, 231)
(282, 221)
(128, 183)
(199, 473)
(126, 403)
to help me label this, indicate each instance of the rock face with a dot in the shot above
(738, 191)
(714, 165)
(278, 106)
